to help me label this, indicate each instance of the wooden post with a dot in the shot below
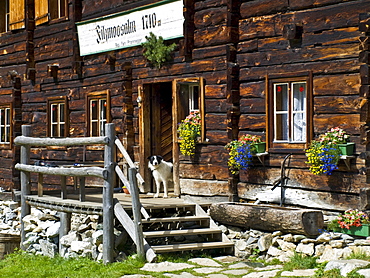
(25, 182)
(108, 229)
(63, 185)
(40, 181)
(136, 206)
(65, 226)
(82, 189)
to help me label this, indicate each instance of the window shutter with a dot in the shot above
(41, 11)
(16, 14)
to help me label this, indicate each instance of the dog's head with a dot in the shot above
(155, 159)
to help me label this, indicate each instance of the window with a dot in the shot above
(98, 114)
(4, 16)
(5, 124)
(57, 8)
(190, 97)
(57, 117)
(289, 114)
(46, 10)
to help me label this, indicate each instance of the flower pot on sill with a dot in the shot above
(347, 149)
(363, 230)
(260, 147)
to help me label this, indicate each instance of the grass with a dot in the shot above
(21, 264)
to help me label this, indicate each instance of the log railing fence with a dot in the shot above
(106, 173)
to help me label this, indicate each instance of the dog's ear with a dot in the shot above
(148, 157)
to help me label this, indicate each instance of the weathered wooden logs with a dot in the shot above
(268, 218)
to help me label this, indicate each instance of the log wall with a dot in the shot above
(232, 45)
(329, 48)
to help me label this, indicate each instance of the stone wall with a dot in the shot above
(86, 238)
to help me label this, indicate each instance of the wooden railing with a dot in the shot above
(106, 173)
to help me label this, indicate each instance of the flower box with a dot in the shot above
(347, 149)
(260, 147)
(363, 230)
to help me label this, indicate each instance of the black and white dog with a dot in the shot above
(162, 173)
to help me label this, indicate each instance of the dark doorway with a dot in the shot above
(160, 116)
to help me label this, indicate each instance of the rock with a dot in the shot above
(69, 238)
(241, 245)
(325, 237)
(264, 242)
(299, 273)
(286, 246)
(275, 252)
(346, 266)
(288, 238)
(337, 243)
(319, 250)
(307, 249)
(47, 248)
(205, 262)
(53, 230)
(330, 254)
(364, 272)
(80, 246)
(298, 238)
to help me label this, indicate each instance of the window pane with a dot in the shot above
(54, 130)
(281, 97)
(94, 129)
(7, 134)
(94, 109)
(61, 112)
(103, 108)
(281, 127)
(54, 113)
(299, 96)
(195, 98)
(62, 130)
(2, 132)
(7, 117)
(299, 127)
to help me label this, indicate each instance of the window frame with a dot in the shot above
(7, 144)
(4, 16)
(58, 100)
(180, 111)
(288, 146)
(97, 96)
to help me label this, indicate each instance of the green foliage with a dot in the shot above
(155, 51)
(189, 129)
(21, 264)
(358, 255)
(300, 261)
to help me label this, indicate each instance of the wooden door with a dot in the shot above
(156, 125)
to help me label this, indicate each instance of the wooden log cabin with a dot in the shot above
(67, 81)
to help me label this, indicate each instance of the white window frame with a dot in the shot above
(5, 126)
(101, 119)
(58, 122)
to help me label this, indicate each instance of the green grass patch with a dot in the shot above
(300, 261)
(21, 264)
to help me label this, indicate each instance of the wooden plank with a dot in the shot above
(130, 163)
(81, 171)
(176, 219)
(33, 141)
(128, 224)
(40, 185)
(191, 246)
(184, 232)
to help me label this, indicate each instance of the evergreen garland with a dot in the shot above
(155, 51)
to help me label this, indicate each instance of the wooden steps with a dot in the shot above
(183, 227)
(191, 246)
(203, 231)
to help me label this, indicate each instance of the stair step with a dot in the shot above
(175, 219)
(181, 232)
(191, 246)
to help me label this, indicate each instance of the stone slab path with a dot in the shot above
(229, 266)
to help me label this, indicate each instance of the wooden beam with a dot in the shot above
(32, 141)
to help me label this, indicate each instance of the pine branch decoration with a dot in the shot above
(155, 51)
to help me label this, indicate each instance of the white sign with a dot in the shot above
(129, 29)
